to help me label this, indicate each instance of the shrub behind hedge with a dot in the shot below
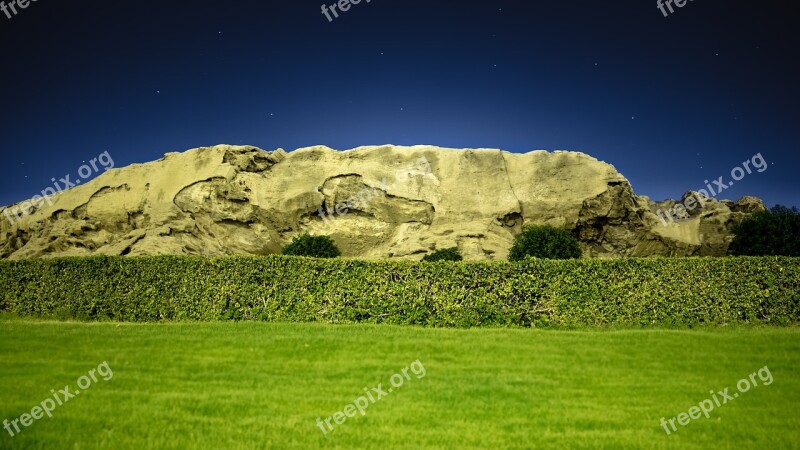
(774, 232)
(544, 241)
(445, 254)
(569, 293)
(312, 246)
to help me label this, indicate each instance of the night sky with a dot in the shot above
(670, 101)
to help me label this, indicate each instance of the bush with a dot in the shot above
(445, 254)
(657, 292)
(313, 246)
(544, 241)
(775, 232)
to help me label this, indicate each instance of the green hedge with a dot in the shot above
(533, 293)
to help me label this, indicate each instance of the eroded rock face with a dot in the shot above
(375, 202)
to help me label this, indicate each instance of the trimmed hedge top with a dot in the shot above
(533, 293)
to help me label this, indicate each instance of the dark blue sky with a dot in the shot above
(670, 102)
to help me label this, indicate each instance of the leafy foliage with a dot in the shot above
(544, 241)
(445, 254)
(313, 246)
(661, 292)
(774, 232)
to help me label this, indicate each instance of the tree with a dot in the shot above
(445, 254)
(313, 246)
(544, 241)
(769, 233)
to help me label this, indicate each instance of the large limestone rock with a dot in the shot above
(375, 202)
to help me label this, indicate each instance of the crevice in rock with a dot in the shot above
(252, 159)
(511, 220)
(511, 187)
(185, 188)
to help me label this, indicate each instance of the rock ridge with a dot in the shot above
(374, 201)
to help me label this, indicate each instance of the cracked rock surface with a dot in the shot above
(375, 202)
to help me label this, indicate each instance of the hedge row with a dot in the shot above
(533, 293)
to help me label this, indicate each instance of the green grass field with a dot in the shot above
(263, 385)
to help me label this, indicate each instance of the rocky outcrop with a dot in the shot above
(375, 202)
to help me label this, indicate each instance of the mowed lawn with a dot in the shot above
(263, 385)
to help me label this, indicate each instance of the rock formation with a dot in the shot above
(375, 202)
